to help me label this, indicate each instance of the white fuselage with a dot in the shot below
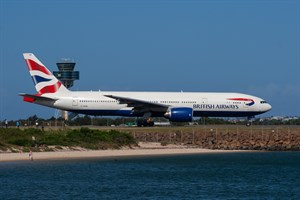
(203, 104)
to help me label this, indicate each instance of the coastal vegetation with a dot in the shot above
(15, 139)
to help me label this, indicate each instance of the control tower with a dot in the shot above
(66, 75)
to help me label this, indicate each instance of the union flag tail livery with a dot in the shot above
(44, 81)
(175, 106)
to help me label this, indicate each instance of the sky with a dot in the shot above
(251, 47)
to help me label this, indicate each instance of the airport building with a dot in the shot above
(66, 73)
(67, 76)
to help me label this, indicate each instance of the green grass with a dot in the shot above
(83, 137)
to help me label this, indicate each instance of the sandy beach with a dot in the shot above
(144, 149)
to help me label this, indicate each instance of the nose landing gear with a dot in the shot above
(250, 119)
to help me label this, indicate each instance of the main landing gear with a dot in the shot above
(145, 122)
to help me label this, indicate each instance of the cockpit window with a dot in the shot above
(262, 102)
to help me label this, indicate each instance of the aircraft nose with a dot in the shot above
(268, 107)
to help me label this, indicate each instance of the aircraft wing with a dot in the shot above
(31, 98)
(140, 106)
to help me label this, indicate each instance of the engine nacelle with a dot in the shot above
(180, 114)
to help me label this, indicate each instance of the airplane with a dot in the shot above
(175, 106)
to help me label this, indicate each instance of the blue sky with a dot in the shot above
(251, 47)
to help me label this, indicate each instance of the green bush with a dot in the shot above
(83, 137)
(23, 142)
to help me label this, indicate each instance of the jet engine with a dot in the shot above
(179, 114)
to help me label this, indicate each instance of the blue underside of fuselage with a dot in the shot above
(128, 113)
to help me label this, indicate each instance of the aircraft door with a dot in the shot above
(74, 102)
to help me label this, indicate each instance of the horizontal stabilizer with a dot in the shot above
(31, 98)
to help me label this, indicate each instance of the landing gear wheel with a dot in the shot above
(144, 123)
(151, 123)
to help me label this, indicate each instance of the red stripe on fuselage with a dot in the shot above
(240, 99)
(32, 65)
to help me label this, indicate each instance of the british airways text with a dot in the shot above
(213, 106)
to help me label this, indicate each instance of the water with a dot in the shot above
(263, 175)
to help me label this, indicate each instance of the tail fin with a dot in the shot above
(43, 79)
